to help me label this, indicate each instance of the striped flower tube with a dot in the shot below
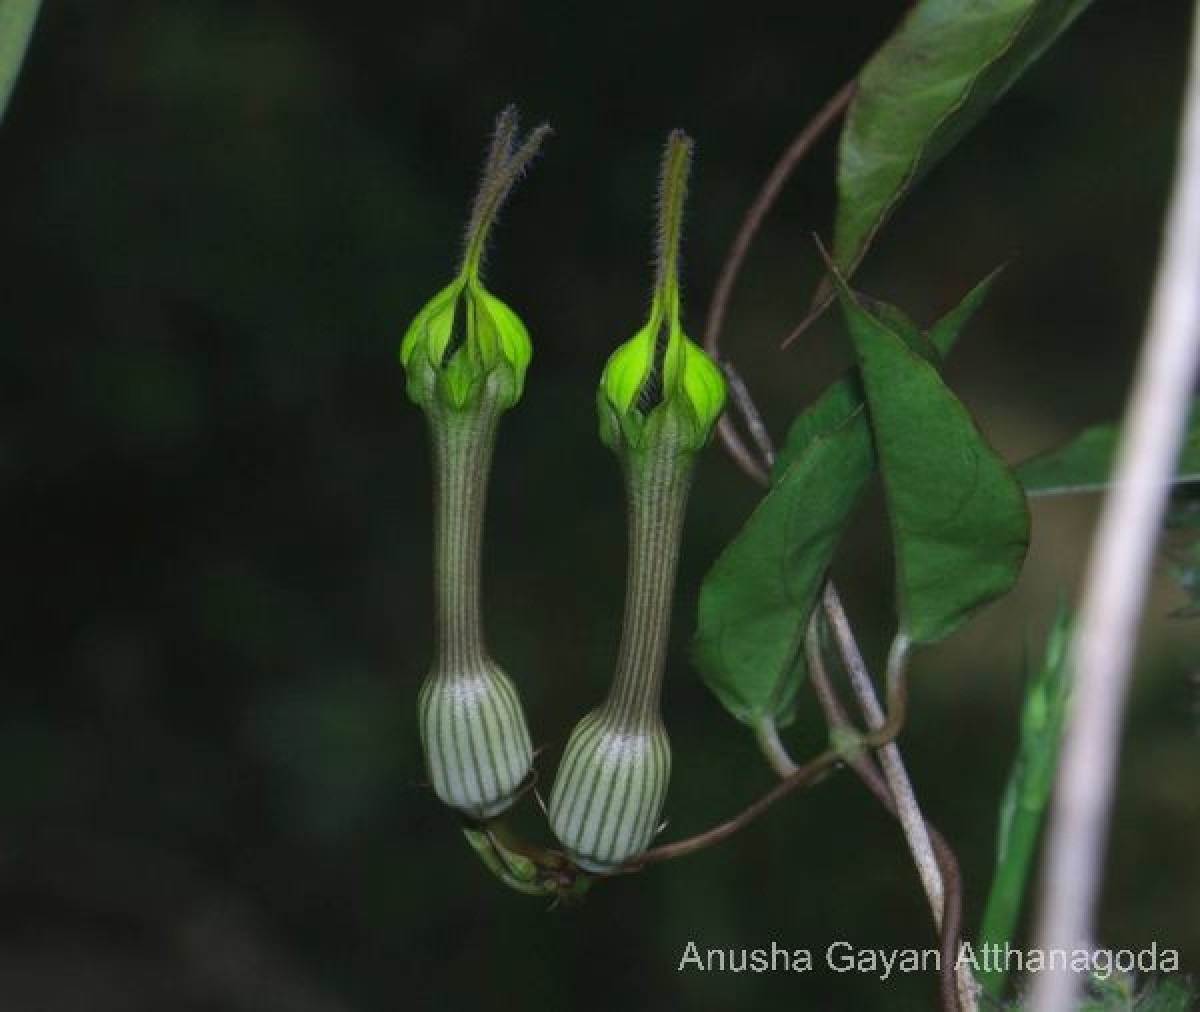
(478, 749)
(465, 355)
(658, 401)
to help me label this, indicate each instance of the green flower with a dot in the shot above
(659, 370)
(465, 355)
(660, 384)
(463, 335)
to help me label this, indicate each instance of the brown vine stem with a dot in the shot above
(889, 755)
(943, 891)
(950, 921)
(752, 221)
(807, 775)
(849, 745)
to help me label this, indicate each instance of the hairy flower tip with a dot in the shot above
(462, 337)
(658, 372)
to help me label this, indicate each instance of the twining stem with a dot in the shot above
(935, 862)
(757, 212)
(752, 221)
(909, 811)
(800, 776)
(949, 918)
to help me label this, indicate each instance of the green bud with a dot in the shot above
(463, 335)
(658, 400)
(525, 867)
(465, 355)
(659, 370)
(608, 796)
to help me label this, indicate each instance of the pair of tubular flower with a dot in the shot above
(465, 355)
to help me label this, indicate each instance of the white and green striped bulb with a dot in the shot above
(659, 398)
(465, 356)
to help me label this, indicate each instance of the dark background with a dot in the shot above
(218, 217)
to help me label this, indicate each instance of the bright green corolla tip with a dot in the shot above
(460, 338)
(465, 340)
(659, 374)
(660, 371)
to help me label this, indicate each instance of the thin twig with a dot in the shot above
(741, 454)
(801, 776)
(772, 747)
(944, 887)
(755, 425)
(751, 222)
(762, 204)
(949, 920)
(944, 891)
(1118, 573)
(889, 755)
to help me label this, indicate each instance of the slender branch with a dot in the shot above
(762, 204)
(1118, 572)
(740, 453)
(772, 747)
(749, 412)
(943, 890)
(848, 746)
(810, 773)
(889, 755)
(949, 920)
(757, 468)
(747, 231)
(934, 858)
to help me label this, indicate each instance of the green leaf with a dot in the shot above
(16, 25)
(960, 524)
(1023, 804)
(1085, 463)
(758, 596)
(925, 87)
(757, 599)
(844, 399)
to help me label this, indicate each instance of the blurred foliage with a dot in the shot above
(1184, 518)
(1085, 463)
(217, 216)
(1023, 804)
(1119, 993)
